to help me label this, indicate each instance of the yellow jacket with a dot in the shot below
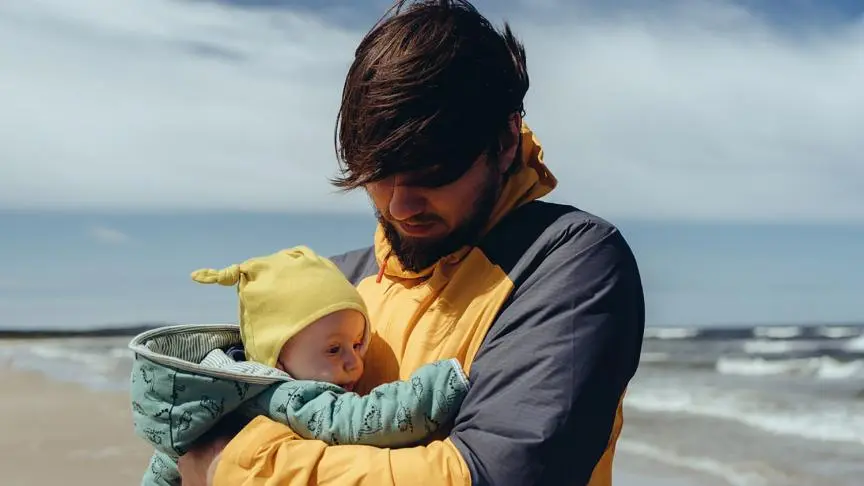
(546, 315)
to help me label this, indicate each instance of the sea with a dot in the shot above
(752, 370)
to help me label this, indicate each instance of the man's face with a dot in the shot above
(425, 220)
(423, 223)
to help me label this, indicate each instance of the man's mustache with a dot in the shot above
(418, 219)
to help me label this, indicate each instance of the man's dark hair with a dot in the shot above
(433, 84)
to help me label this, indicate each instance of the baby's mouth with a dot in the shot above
(349, 386)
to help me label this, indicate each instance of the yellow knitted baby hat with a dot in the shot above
(281, 294)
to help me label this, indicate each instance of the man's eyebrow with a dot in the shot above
(424, 171)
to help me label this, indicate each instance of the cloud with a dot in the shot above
(700, 110)
(107, 235)
(704, 113)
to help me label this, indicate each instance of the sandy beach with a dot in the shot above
(61, 433)
(64, 433)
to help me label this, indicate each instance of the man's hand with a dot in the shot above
(197, 466)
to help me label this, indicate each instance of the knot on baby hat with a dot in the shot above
(227, 276)
(281, 294)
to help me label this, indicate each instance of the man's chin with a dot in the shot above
(420, 243)
(416, 254)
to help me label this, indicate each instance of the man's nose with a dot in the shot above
(405, 203)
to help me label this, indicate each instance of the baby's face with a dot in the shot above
(327, 350)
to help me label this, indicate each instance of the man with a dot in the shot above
(542, 303)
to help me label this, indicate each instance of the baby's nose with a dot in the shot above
(352, 361)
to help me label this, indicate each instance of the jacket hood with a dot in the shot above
(531, 180)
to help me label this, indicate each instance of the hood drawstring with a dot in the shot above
(381, 270)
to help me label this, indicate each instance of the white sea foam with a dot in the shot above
(59, 354)
(671, 332)
(837, 332)
(855, 345)
(820, 420)
(769, 347)
(777, 332)
(71, 360)
(822, 367)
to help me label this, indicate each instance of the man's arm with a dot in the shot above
(545, 388)
(547, 383)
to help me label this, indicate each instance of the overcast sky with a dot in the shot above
(710, 110)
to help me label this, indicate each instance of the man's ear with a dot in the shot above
(509, 143)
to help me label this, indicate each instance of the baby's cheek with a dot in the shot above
(325, 372)
(315, 369)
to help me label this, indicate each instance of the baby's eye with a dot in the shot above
(358, 346)
(333, 350)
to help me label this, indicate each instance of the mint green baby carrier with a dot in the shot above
(185, 388)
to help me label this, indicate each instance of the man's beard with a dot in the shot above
(415, 254)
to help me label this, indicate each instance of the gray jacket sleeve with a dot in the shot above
(546, 384)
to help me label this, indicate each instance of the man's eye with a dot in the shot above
(437, 178)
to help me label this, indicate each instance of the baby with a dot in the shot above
(296, 357)
(299, 314)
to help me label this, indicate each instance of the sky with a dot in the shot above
(142, 139)
(698, 110)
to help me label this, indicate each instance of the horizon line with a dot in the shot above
(133, 328)
(366, 212)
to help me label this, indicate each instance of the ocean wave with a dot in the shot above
(105, 368)
(778, 332)
(769, 332)
(855, 345)
(794, 348)
(671, 332)
(658, 357)
(822, 367)
(824, 421)
(839, 332)
(773, 347)
(60, 354)
(705, 465)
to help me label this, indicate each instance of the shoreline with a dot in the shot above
(9, 334)
(655, 331)
(57, 432)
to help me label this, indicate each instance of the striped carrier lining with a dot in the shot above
(199, 348)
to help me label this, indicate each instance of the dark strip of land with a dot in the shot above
(108, 331)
